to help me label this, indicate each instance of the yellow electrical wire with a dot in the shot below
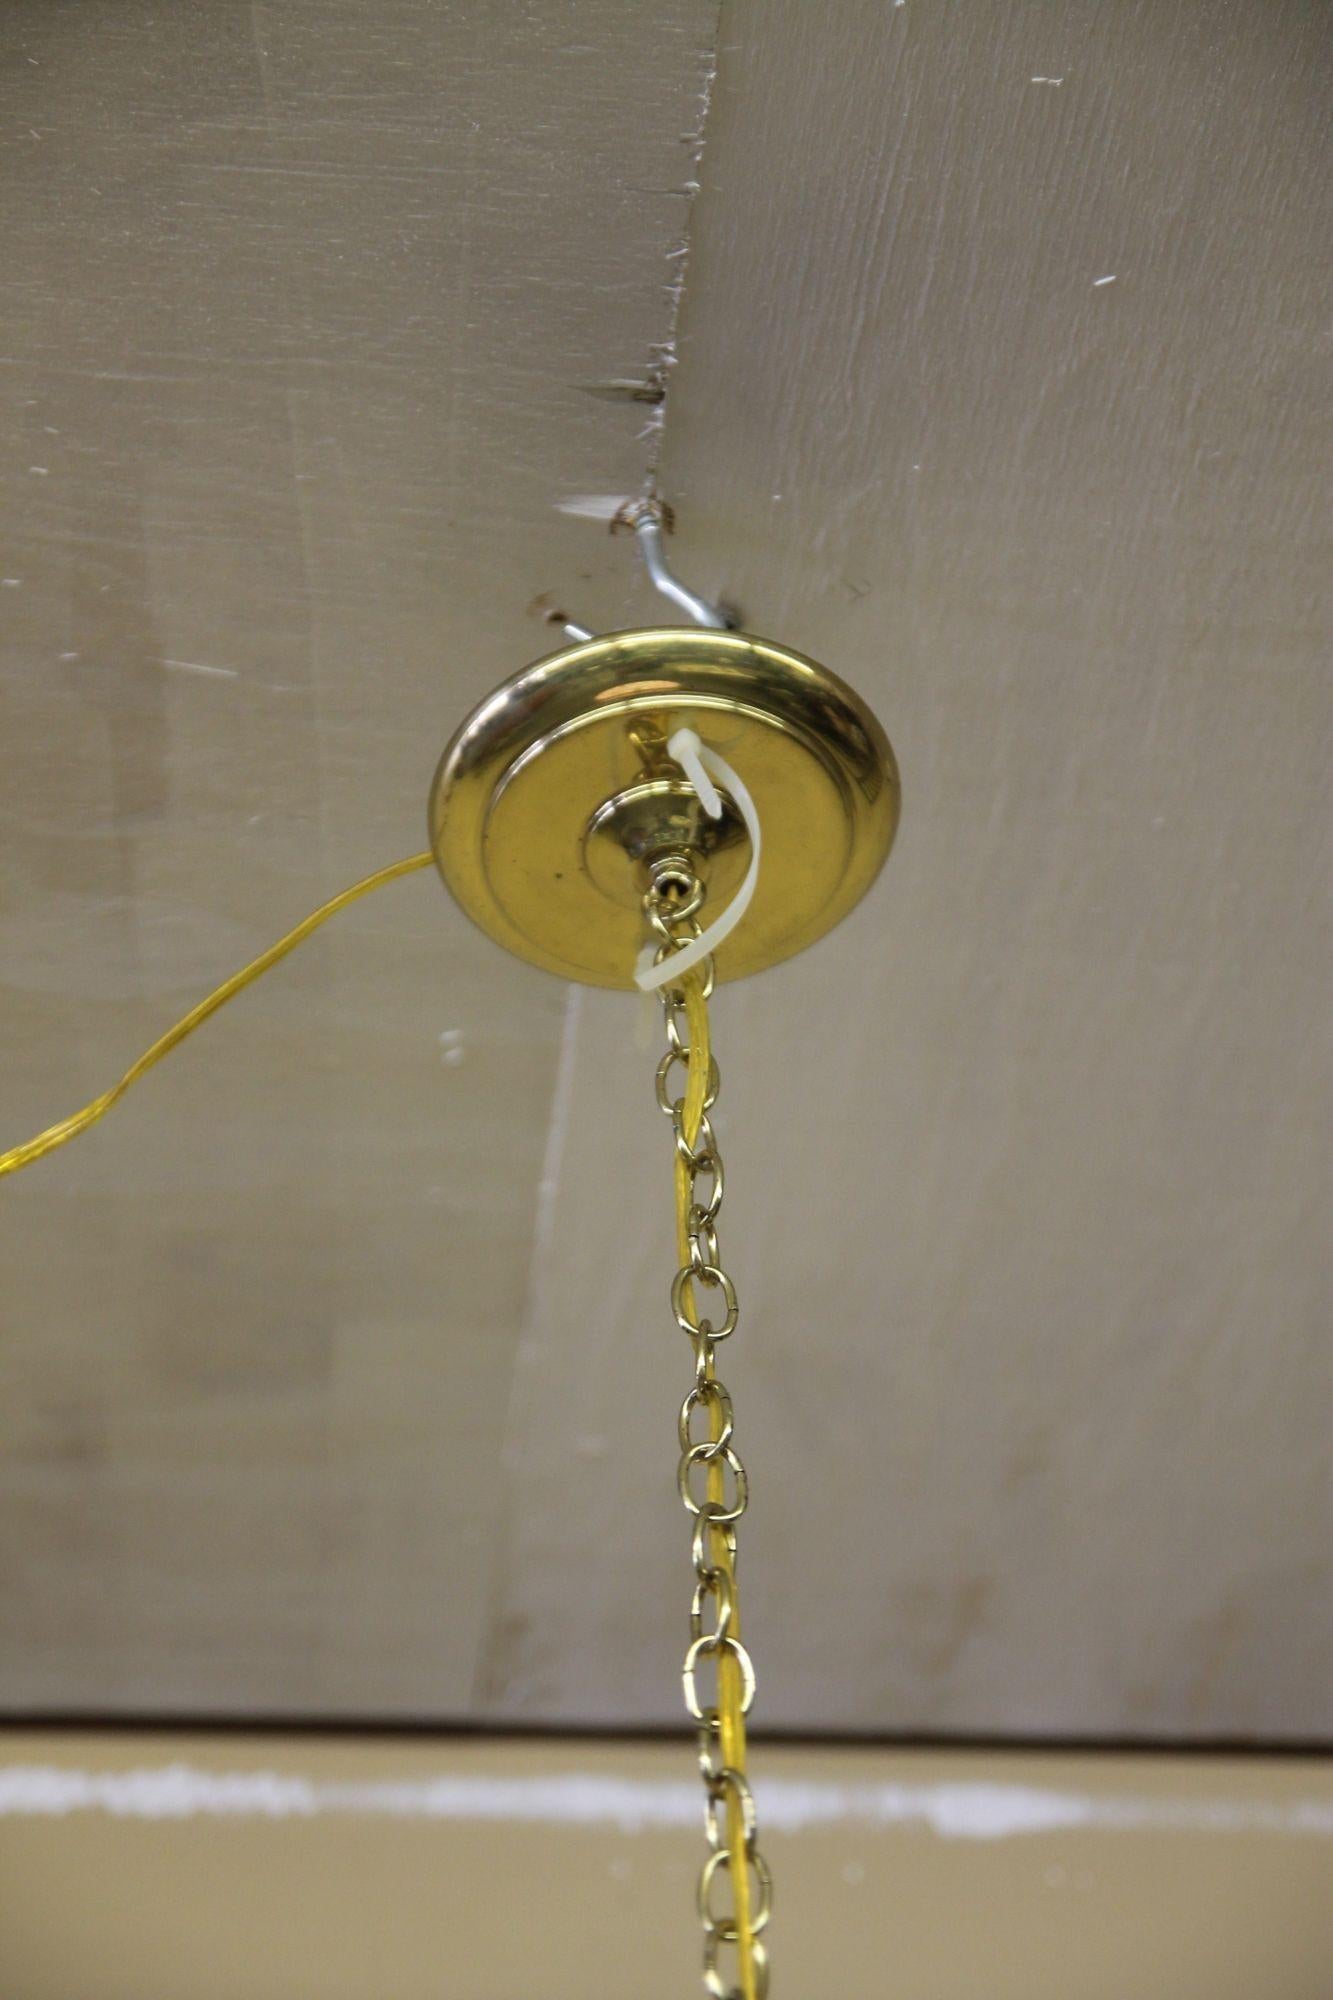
(79, 1121)
(731, 1685)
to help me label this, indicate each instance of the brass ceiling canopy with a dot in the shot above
(556, 797)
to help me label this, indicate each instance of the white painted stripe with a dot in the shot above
(952, 1811)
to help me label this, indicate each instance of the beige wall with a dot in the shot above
(489, 1871)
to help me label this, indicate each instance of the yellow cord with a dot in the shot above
(730, 1682)
(70, 1128)
(731, 1685)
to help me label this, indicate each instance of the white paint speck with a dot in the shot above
(42, 471)
(69, 656)
(199, 667)
(452, 1050)
(1108, 280)
(1053, 81)
(10, 582)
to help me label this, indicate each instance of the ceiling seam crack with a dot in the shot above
(664, 354)
(497, 1680)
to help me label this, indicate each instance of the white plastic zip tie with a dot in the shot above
(701, 766)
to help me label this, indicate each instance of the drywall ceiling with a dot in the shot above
(338, 1371)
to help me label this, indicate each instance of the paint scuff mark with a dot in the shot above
(592, 506)
(951, 1810)
(620, 389)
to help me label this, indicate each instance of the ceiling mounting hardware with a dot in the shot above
(651, 521)
(555, 797)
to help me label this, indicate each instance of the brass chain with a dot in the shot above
(733, 1940)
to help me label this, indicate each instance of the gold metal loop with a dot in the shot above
(723, 1784)
(666, 912)
(704, 1251)
(711, 1764)
(701, 1153)
(711, 1646)
(674, 1107)
(711, 1168)
(706, 1453)
(715, 1584)
(713, 1278)
(704, 1358)
(719, 1988)
(711, 1394)
(673, 1008)
(725, 1928)
(701, 1547)
(674, 996)
(706, 1520)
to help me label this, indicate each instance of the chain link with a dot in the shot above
(735, 1888)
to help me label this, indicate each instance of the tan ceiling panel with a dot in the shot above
(338, 1369)
(1005, 398)
(304, 305)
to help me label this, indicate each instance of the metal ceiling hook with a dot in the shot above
(651, 520)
